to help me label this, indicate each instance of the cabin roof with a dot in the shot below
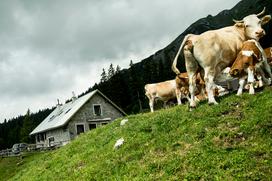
(63, 113)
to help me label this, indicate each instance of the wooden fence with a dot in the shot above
(32, 148)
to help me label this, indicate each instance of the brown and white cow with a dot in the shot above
(163, 91)
(172, 89)
(244, 66)
(182, 87)
(214, 50)
(251, 62)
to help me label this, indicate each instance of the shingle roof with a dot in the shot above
(63, 113)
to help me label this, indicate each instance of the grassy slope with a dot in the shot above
(231, 141)
(11, 165)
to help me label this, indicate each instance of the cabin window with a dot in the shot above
(51, 140)
(104, 124)
(92, 126)
(97, 109)
(41, 137)
(80, 128)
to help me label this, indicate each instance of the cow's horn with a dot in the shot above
(238, 21)
(261, 13)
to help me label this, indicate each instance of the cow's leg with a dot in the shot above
(221, 90)
(151, 104)
(191, 67)
(260, 80)
(242, 81)
(164, 104)
(262, 74)
(178, 94)
(210, 85)
(267, 69)
(192, 89)
(251, 88)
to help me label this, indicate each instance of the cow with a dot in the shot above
(168, 90)
(163, 91)
(244, 66)
(250, 61)
(214, 50)
(182, 86)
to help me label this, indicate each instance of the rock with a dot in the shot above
(123, 122)
(119, 143)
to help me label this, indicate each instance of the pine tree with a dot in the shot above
(131, 63)
(118, 69)
(26, 128)
(111, 71)
(103, 76)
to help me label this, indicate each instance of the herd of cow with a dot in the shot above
(232, 51)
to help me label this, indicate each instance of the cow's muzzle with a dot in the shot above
(260, 33)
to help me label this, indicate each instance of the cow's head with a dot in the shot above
(245, 61)
(252, 25)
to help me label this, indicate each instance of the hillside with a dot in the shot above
(229, 141)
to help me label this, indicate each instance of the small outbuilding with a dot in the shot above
(79, 115)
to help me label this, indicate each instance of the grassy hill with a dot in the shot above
(230, 141)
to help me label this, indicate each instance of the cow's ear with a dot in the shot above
(266, 19)
(240, 25)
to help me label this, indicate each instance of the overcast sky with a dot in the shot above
(50, 48)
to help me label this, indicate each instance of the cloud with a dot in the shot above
(50, 48)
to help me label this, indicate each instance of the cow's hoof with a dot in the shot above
(192, 108)
(251, 92)
(213, 103)
(223, 93)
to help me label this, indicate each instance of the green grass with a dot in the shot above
(9, 166)
(229, 141)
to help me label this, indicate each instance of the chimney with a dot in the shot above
(73, 97)
(58, 104)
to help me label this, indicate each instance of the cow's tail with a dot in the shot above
(174, 65)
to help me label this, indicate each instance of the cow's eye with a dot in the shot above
(247, 26)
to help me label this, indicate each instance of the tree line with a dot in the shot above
(16, 130)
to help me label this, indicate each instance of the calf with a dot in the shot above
(250, 60)
(164, 91)
(182, 86)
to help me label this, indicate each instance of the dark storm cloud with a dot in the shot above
(49, 48)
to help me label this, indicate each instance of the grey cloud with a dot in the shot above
(51, 47)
